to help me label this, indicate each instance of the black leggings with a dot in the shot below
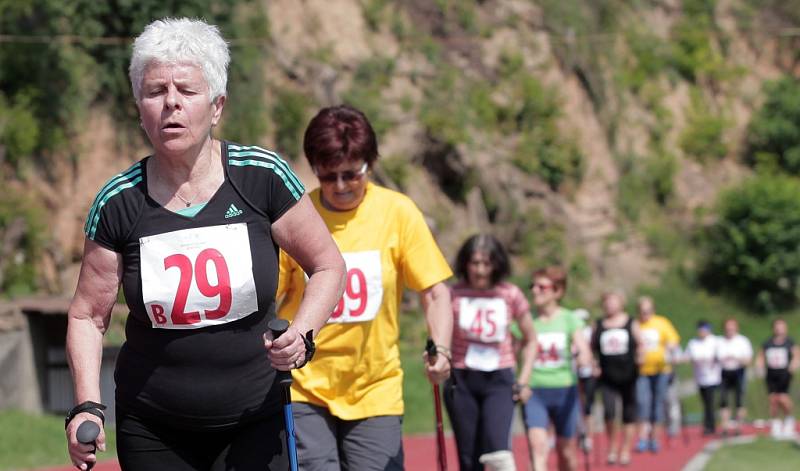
(626, 392)
(709, 418)
(480, 407)
(145, 445)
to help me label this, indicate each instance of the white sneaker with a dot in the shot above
(776, 431)
(789, 431)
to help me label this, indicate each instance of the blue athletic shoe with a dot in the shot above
(654, 446)
(641, 445)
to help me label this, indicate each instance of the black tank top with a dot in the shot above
(778, 356)
(616, 352)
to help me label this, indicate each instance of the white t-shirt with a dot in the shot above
(703, 353)
(735, 352)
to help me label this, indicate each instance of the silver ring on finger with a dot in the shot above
(295, 365)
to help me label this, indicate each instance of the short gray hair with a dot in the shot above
(182, 40)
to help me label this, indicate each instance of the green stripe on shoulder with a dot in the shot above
(128, 179)
(242, 156)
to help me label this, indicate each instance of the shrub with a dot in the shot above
(20, 269)
(289, 113)
(774, 132)
(753, 249)
(703, 136)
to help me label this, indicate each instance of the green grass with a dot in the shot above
(32, 441)
(761, 454)
(417, 391)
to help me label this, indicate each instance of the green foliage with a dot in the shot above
(694, 54)
(541, 240)
(774, 133)
(645, 181)
(443, 113)
(289, 113)
(649, 58)
(373, 12)
(397, 169)
(83, 60)
(753, 250)
(246, 116)
(20, 276)
(371, 77)
(534, 113)
(703, 136)
(543, 153)
(19, 129)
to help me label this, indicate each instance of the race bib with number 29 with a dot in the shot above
(196, 278)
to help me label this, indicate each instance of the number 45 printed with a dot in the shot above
(198, 277)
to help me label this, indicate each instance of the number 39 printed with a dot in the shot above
(363, 292)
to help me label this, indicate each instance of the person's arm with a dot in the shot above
(87, 321)
(529, 345)
(673, 343)
(637, 338)
(747, 357)
(760, 363)
(583, 353)
(302, 234)
(795, 363)
(439, 317)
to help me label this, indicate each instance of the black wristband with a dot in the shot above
(311, 347)
(90, 407)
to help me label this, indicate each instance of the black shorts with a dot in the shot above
(778, 381)
(733, 382)
(626, 392)
(145, 444)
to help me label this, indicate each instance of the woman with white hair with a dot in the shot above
(192, 234)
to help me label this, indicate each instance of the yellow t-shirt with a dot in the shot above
(386, 246)
(657, 333)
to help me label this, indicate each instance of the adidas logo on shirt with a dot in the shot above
(233, 211)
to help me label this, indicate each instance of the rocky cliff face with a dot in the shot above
(442, 80)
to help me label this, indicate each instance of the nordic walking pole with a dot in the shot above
(284, 379)
(430, 347)
(87, 434)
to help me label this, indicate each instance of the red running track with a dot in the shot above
(420, 454)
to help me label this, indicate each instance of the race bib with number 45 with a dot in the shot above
(196, 278)
(483, 319)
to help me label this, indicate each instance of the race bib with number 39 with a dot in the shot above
(196, 278)
(483, 319)
(363, 292)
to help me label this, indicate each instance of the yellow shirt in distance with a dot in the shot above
(657, 333)
(387, 246)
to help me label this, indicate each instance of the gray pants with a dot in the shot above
(328, 443)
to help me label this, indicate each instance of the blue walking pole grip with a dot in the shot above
(284, 379)
(87, 434)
